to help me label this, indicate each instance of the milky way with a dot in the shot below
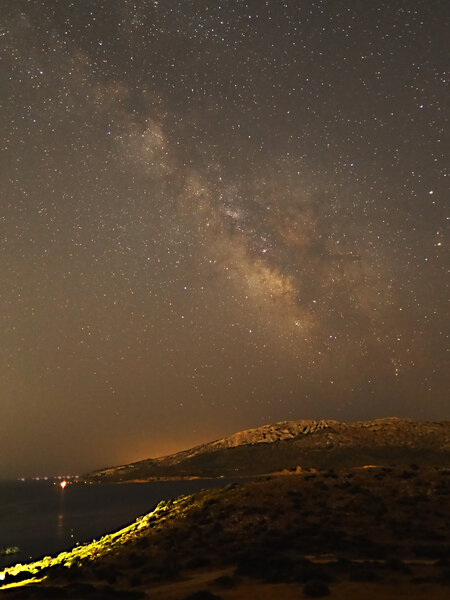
(216, 215)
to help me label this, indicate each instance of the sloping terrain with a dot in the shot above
(292, 444)
(362, 533)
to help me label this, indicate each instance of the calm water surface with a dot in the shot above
(43, 519)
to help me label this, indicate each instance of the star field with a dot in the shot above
(216, 215)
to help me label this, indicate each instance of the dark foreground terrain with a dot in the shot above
(365, 533)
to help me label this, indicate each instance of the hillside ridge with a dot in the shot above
(308, 441)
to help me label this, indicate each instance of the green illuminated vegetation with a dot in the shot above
(374, 526)
(82, 555)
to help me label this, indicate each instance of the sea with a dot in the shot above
(39, 518)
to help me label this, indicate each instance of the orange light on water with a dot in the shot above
(63, 484)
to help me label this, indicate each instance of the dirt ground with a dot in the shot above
(379, 532)
(252, 590)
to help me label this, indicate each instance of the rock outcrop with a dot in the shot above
(288, 444)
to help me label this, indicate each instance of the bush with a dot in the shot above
(312, 572)
(80, 589)
(442, 563)
(137, 560)
(55, 572)
(444, 578)
(136, 580)
(431, 551)
(36, 592)
(210, 501)
(21, 576)
(316, 588)
(197, 562)
(395, 564)
(202, 595)
(364, 574)
(108, 593)
(143, 542)
(251, 563)
(225, 582)
(169, 570)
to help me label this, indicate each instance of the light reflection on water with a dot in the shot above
(60, 525)
(43, 519)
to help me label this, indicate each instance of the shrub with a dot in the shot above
(252, 563)
(310, 572)
(316, 588)
(431, 551)
(136, 580)
(444, 577)
(108, 593)
(363, 574)
(198, 561)
(143, 542)
(55, 572)
(73, 572)
(442, 563)
(36, 592)
(137, 560)
(80, 589)
(395, 564)
(21, 576)
(170, 569)
(210, 501)
(226, 582)
(280, 569)
(202, 595)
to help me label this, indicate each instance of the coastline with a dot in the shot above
(352, 530)
(42, 518)
(177, 478)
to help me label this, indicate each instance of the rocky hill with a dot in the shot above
(289, 445)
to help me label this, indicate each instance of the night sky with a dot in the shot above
(216, 215)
